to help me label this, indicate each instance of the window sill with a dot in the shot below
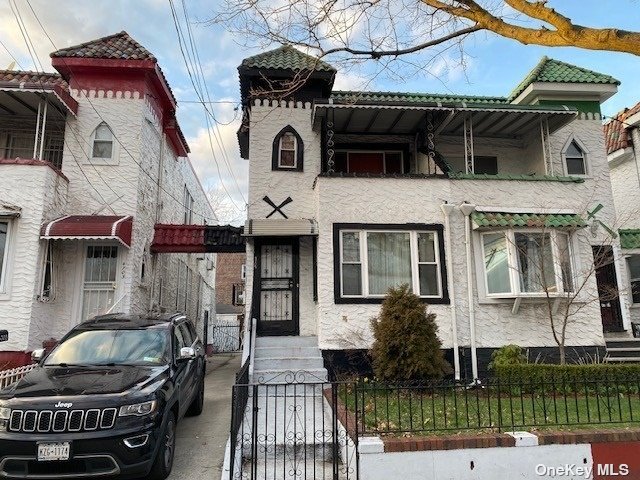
(101, 161)
(520, 177)
(379, 300)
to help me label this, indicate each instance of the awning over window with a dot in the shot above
(281, 227)
(197, 239)
(533, 220)
(629, 238)
(89, 227)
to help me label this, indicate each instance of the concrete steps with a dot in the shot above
(288, 360)
(623, 350)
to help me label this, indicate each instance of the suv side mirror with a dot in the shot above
(37, 355)
(187, 353)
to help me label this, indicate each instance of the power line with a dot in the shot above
(197, 66)
(144, 170)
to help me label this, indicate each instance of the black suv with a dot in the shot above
(105, 401)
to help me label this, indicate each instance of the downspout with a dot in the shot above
(466, 210)
(447, 208)
(158, 198)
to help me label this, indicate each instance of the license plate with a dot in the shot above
(49, 452)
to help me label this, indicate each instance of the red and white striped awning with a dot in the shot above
(89, 227)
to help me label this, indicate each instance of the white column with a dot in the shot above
(468, 144)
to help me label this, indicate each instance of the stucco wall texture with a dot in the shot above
(409, 200)
(128, 184)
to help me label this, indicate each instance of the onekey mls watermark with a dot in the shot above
(572, 470)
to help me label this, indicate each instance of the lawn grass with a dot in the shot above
(445, 410)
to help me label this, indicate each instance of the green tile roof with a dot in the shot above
(549, 70)
(408, 97)
(499, 219)
(513, 176)
(629, 238)
(286, 58)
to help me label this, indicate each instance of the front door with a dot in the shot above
(100, 274)
(608, 292)
(275, 296)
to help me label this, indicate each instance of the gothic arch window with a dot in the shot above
(288, 150)
(574, 158)
(102, 142)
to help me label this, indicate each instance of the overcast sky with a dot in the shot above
(494, 66)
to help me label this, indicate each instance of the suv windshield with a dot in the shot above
(106, 347)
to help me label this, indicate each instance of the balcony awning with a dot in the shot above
(490, 220)
(89, 227)
(501, 121)
(197, 239)
(281, 227)
(23, 99)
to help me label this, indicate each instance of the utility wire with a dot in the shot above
(142, 168)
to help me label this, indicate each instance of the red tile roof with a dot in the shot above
(37, 78)
(615, 131)
(178, 239)
(119, 46)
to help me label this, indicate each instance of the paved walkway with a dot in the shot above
(202, 440)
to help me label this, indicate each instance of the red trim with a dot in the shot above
(68, 100)
(611, 456)
(32, 161)
(178, 239)
(89, 226)
(177, 140)
(10, 360)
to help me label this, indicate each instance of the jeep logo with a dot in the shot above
(63, 405)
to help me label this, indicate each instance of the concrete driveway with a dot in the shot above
(201, 441)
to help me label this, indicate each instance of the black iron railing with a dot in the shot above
(494, 405)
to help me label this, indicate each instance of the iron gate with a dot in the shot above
(300, 431)
(226, 337)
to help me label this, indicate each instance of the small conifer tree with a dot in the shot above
(406, 345)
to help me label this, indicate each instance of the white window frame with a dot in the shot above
(634, 253)
(5, 272)
(48, 256)
(113, 160)
(585, 156)
(514, 269)
(295, 151)
(384, 157)
(188, 203)
(415, 263)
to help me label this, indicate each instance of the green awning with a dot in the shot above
(533, 220)
(629, 238)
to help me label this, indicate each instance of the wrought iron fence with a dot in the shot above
(494, 405)
(296, 431)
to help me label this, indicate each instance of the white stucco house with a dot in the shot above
(490, 208)
(93, 164)
(623, 153)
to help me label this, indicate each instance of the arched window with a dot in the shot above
(102, 142)
(287, 150)
(575, 159)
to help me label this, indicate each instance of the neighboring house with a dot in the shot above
(230, 275)
(91, 159)
(623, 148)
(351, 193)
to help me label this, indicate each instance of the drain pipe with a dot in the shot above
(447, 208)
(467, 209)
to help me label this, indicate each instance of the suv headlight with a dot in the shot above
(138, 409)
(5, 415)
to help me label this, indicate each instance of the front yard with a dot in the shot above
(448, 409)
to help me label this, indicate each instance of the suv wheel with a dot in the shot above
(197, 405)
(164, 458)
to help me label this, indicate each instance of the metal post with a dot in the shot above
(334, 427)
(330, 151)
(44, 124)
(37, 132)
(254, 434)
(468, 144)
(546, 152)
(431, 147)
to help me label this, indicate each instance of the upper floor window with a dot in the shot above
(518, 263)
(369, 161)
(188, 206)
(371, 260)
(288, 150)
(102, 142)
(5, 226)
(634, 276)
(575, 159)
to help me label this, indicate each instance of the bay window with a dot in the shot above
(372, 259)
(527, 262)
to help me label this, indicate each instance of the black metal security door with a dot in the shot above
(276, 287)
(608, 292)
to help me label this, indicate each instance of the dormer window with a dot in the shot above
(575, 159)
(102, 142)
(287, 150)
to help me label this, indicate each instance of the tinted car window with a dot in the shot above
(100, 347)
(187, 334)
(179, 340)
